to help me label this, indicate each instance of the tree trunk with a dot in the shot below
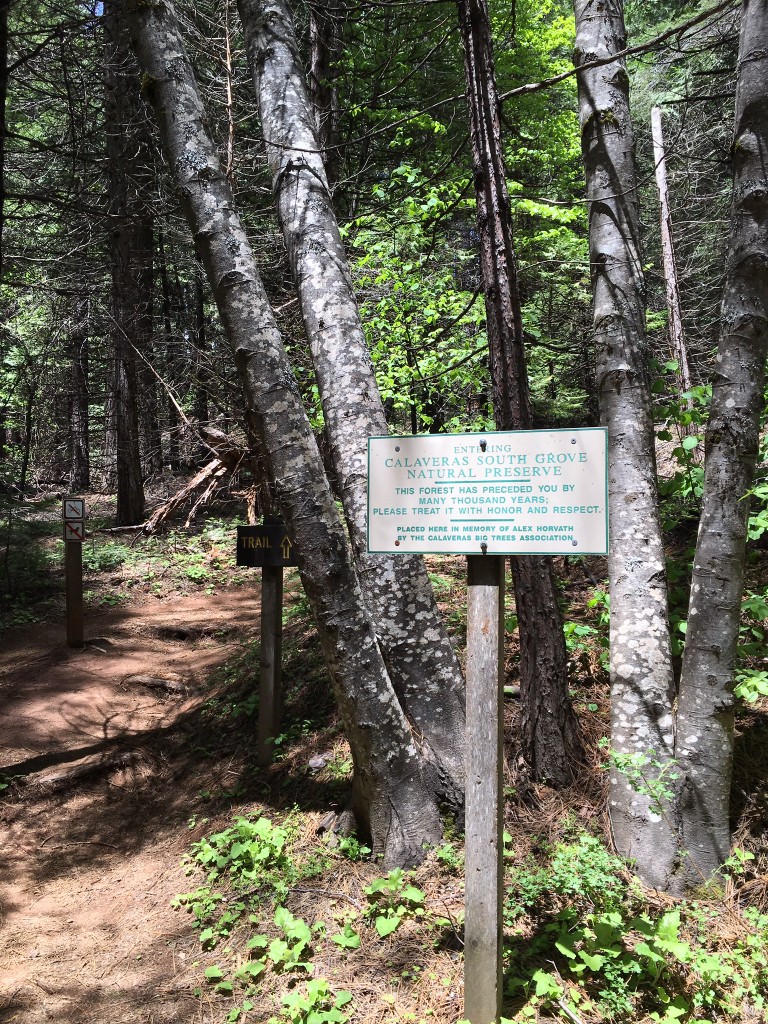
(549, 731)
(705, 715)
(200, 398)
(415, 645)
(325, 33)
(676, 332)
(171, 416)
(4, 7)
(642, 682)
(130, 246)
(78, 417)
(391, 800)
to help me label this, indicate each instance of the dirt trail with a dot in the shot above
(87, 872)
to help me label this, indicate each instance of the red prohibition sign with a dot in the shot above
(74, 532)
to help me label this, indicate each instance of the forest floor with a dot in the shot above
(121, 758)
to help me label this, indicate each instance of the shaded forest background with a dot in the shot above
(82, 174)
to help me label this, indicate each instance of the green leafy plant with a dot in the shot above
(351, 848)
(450, 857)
(317, 1003)
(347, 938)
(289, 952)
(247, 852)
(646, 774)
(391, 900)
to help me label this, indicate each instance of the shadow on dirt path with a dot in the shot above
(107, 741)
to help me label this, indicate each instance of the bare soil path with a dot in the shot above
(91, 836)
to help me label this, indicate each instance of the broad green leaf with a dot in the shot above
(386, 925)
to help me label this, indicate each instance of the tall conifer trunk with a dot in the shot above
(80, 477)
(130, 246)
(549, 729)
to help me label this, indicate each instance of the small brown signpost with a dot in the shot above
(268, 546)
(533, 492)
(73, 514)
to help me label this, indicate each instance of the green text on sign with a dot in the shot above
(503, 492)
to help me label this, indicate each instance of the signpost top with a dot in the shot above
(540, 492)
(265, 545)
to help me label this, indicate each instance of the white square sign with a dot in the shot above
(515, 492)
(73, 508)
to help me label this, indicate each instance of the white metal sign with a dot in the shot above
(74, 508)
(534, 492)
(74, 532)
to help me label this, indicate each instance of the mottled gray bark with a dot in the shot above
(642, 682)
(705, 715)
(416, 647)
(390, 797)
(549, 732)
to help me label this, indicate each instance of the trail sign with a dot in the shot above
(73, 508)
(521, 492)
(268, 544)
(74, 532)
(73, 516)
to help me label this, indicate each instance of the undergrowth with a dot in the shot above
(583, 941)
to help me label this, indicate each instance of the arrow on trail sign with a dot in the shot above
(268, 544)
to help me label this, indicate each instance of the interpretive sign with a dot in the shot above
(533, 492)
(268, 544)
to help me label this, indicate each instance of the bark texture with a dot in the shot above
(415, 645)
(705, 716)
(674, 309)
(390, 797)
(130, 249)
(325, 31)
(550, 738)
(80, 478)
(4, 7)
(642, 682)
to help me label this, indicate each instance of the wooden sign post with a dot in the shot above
(484, 796)
(73, 514)
(532, 492)
(270, 547)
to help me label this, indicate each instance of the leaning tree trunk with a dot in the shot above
(550, 739)
(705, 714)
(390, 797)
(416, 647)
(642, 682)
